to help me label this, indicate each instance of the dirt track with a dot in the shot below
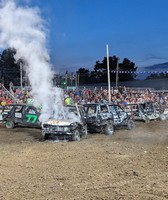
(128, 165)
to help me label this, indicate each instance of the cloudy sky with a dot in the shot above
(78, 31)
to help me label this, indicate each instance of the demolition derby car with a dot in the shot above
(104, 117)
(145, 111)
(72, 128)
(120, 117)
(20, 115)
(99, 118)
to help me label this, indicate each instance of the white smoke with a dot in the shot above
(23, 29)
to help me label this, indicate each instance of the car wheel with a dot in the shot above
(76, 136)
(130, 124)
(44, 137)
(9, 124)
(85, 131)
(166, 115)
(162, 117)
(109, 129)
(147, 120)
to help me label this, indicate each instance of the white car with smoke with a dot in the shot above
(71, 127)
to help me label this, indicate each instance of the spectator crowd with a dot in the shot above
(122, 96)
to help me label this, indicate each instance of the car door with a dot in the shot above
(30, 116)
(17, 114)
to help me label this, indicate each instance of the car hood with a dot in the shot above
(59, 122)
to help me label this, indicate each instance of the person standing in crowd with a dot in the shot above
(3, 101)
(68, 100)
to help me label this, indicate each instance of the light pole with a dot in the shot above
(77, 79)
(108, 74)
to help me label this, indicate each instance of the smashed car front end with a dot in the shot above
(59, 129)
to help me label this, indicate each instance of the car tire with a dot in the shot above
(166, 115)
(76, 136)
(9, 124)
(162, 117)
(130, 124)
(109, 129)
(85, 132)
(44, 137)
(147, 120)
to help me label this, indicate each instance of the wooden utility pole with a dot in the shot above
(21, 75)
(117, 74)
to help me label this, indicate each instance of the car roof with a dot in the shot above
(19, 104)
(95, 104)
(113, 105)
(16, 104)
(73, 106)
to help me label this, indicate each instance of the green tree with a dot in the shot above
(100, 69)
(99, 75)
(157, 76)
(128, 68)
(9, 69)
(84, 75)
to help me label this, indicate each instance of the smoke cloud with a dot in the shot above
(23, 29)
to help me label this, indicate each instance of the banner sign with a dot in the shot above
(142, 72)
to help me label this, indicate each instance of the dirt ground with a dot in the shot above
(128, 165)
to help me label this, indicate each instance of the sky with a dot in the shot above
(79, 30)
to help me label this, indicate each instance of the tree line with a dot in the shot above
(99, 73)
(10, 70)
